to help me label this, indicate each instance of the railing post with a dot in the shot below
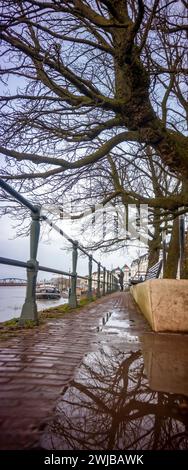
(107, 280)
(29, 309)
(111, 282)
(113, 287)
(104, 281)
(73, 298)
(89, 294)
(98, 280)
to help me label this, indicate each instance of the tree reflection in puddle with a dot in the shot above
(109, 405)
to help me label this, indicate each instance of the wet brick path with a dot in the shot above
(37, 365)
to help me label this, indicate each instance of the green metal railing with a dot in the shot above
(29, 310)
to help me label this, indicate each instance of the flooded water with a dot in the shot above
(130, 392)
(12, 299)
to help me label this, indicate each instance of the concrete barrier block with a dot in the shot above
(164, 303)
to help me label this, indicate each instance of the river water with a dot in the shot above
(12, 299)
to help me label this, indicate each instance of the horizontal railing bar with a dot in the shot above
(95, 261)
(82, 277)
(13, 262)
(17, 196)
(94, 280)
(34, 209)
(23, 264)
(83, 251)
(57, 229)
(87, 254)
(55, 271)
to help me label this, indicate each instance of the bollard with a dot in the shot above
(29, 309)
(73, 298)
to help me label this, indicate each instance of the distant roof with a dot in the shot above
(136, 260)
(125, 266)
(115, 269)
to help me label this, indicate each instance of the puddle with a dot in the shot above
(114, 322)
(122, 399)
(121, 334)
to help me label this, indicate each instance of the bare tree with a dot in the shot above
(85, 77)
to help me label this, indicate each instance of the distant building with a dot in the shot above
(81, 287)
(139, 266)
(127, 273)
(62, 282)
(95, 279)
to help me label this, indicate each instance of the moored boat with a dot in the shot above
(47, 291)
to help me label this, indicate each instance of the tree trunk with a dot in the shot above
(154, 248)
(155, 243)
(184, 264)
(184, 273)
(171, 266)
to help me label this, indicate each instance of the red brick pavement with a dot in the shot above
(37, 365)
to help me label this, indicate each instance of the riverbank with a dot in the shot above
(11, 328)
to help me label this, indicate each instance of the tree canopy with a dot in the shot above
(86, 76)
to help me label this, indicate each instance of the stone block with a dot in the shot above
(164, 303)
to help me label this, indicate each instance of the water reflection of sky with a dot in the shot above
(125, 395)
